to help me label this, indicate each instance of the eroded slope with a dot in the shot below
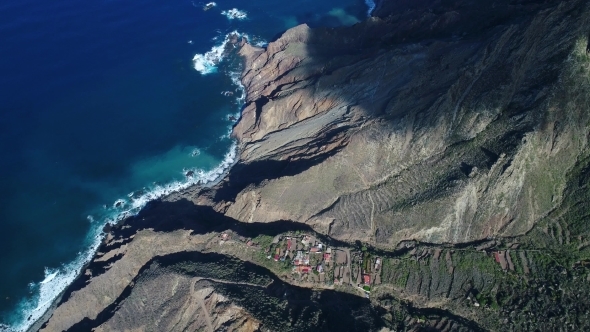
(447, 140)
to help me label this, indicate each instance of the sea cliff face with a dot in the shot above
(444, 143)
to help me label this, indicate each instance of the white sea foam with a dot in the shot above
(236, 78)
(240, 95)
(195, 152)
(54, 283)
(56, 280)
(119, 203)
(49, 278)
(235, 14)
(207, 63)
(134, 205)
(261, 43)
(210, 5)
(371, 5)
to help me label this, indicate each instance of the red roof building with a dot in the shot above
(304, 269)
(327, 257)
(276, 257)
(314, 249)
(289, 244)
(367, 279)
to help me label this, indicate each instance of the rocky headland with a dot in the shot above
(436, 156)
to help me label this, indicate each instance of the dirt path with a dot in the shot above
(207, 316)
(349, 267)
(235, 282)
(202, 305)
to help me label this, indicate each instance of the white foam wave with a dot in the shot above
(195, 152)
(371, 5)
(57, 280)
(207, 63)
(119, 203)
(54, 283)
(261, 43)
(240, 94)
(49, 278)
(235, 14)
(209, 5)
(236, 78)
(202, 177)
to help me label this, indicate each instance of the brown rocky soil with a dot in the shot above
(439, 134)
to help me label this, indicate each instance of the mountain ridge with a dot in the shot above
(448, 138)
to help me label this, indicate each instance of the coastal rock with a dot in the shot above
(434, 136)
(102, 290)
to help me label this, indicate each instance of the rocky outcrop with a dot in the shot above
(451, 138)
(443, 140)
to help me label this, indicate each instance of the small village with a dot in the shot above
(315, 262)
(305, 259)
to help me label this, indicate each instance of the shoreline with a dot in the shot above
(188, 219)
(195, 187)
(38, 324)
(234, 149)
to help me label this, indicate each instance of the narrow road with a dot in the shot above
(349, 266)
(235, 282)
(207, 316)
(203, 306)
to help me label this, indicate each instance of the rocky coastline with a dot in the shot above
(448, 139)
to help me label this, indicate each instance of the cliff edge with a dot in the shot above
(436, 155)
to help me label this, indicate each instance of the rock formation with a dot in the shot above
(449, 138)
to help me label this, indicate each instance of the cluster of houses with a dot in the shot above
(305, 252)
(314, 261)
(310, 260)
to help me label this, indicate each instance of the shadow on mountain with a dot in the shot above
(443, 67)
(164, 216)
(278, 305)
(243, 175)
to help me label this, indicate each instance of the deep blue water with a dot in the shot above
(99, 99)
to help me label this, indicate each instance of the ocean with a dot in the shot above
(107, 104)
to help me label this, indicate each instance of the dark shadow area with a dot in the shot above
(492, 157)
(302, 310)
(469, 324)
(450, 320)
(466, 17)
(465, 168)
(243, 175)
(430, 31)
(162, 216)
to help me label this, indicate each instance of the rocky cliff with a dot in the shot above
(448, 138)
